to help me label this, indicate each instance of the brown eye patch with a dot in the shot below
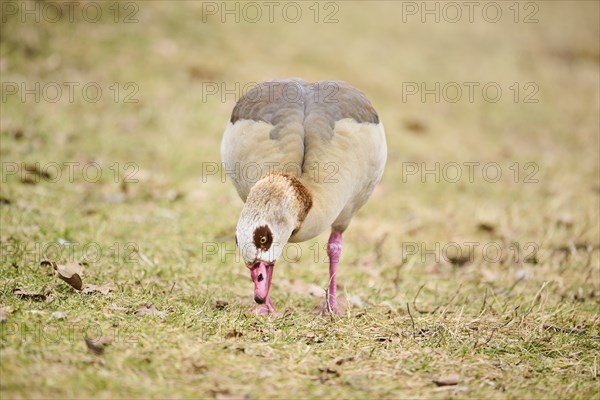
(263, 238)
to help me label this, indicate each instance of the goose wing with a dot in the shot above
(265, 133)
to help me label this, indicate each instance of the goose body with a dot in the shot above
(304, 157)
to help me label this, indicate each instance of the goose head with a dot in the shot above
(276, 206)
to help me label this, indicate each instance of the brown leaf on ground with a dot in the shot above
(315, 290)
(34, 169)
(342, 360)
(226, 394)
(312, 338)
(104, 289)
(488, 275)
(149, 309)
(48, 263)
(4, 313)
(415, 126)
(326, 374)
(115, 307)
(447, 380)
(233, 334)
(71, 273)
(486, 227)
(199, 367)
(356, 301)
(58, 315)
(30, 295)
(220, 305)
(97, 345)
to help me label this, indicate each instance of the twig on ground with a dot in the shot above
(415, 303)
(564, 330)
(477, 344)
(378, 247)
(482, 310)
(397, 277)
(445, 305)
(411, 320)
(454, 296)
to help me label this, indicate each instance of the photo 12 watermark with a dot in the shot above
(287, 92)
(228, 252)
(469, 172)
(92, 12)
(470, 92)
(253, 12)
(56, 331)
(69, 171)
(452, 12)
(252, 172)
(71, 92)
(34, 255)
(467, 252)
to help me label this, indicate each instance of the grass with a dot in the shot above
(523, 326)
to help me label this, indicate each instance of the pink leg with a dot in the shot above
(334, 250)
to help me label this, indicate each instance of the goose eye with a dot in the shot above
(263, 238)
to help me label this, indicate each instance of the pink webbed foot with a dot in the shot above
(330, 308)
(265, 308)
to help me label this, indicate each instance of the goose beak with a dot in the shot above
(261, 274)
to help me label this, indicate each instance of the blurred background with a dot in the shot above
(141, 92)
(150, 87)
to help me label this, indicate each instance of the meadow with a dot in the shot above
(472, 272)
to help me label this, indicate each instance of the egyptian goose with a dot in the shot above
(303, 157)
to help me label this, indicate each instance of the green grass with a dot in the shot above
(513, 328)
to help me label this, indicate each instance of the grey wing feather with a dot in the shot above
(287, 123)
(265, 133)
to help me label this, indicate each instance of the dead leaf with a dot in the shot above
(312, 338)
(4, 312)
(458, 260)
(356, 301)
(226, 394)
(329, 371)
(220, 305)
(117, 308)
(342, 360)
(486, 227)
(488, 275)
(58, 315)
(327, 374)
(316, 291)
(565, 219)
(26, 294)
(198, 367)
(415, 125)
(104, 289)
(447, 380)
(71, 273)
(201, 72)
(233, 334)
(149, 309)
(48, 263)
(34, 169)
(97, 345)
